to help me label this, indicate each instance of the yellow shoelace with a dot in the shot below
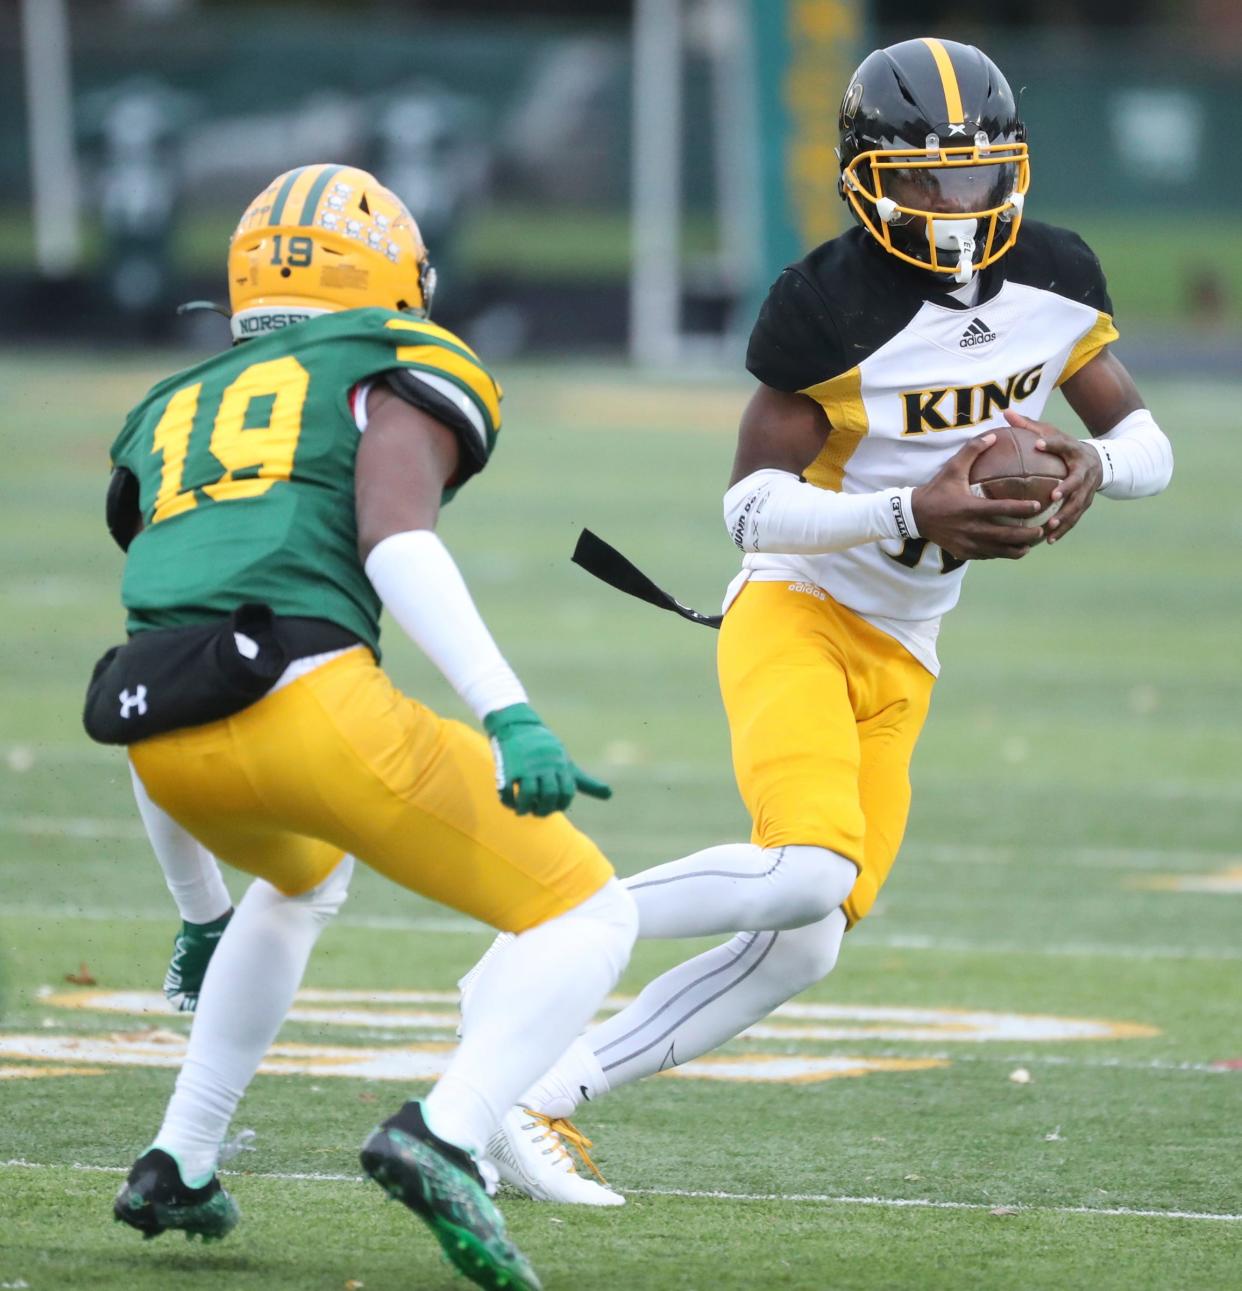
(566, 1132)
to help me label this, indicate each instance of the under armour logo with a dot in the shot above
(138, 700)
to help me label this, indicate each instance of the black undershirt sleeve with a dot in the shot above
(1058, 260)
(795, 342)
(1084, 275)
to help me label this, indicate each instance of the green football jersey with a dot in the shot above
(245, 467)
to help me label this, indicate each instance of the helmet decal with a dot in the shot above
(953, 111)
(849, 104)
(320, 239)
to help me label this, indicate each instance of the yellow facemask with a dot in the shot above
(937, 207)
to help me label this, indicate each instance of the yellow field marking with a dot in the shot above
(435, 1011)
(361, 1009)
(1228, 882)
(402, 1063)
(594, 405)
(788, 1069)
(39, 1073)
(425, 1061)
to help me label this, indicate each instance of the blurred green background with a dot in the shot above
(511, 130)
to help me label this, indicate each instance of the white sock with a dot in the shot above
(250, 984)
(533, 996)
(691, 1010)
(576, 1076)
(191, 872)
(465, 985)
(740, 885)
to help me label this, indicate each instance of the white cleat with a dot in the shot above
(531, 1153)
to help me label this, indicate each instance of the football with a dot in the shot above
(1014, 468)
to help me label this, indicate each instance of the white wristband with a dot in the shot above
(774, 511)
(422, 588)
(1136, 456)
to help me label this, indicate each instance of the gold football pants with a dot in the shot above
(340, 761)
(824, 710)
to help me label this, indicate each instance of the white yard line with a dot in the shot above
(46, 755)
(1054, 950)
(450, 925)
(1122, 858)
(1056, 1060)
(825, 1199)
(93, 828)
(813, 1198)
(664, 772)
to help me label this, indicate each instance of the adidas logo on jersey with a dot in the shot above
(978, 333)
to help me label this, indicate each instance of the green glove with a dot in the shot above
(533, 772)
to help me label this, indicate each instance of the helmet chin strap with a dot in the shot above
(959, 236)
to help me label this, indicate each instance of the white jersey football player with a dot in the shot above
(884, 359)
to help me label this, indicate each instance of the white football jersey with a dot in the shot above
(907, 374)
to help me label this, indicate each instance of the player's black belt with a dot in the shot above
(304, 637)
(163, 679)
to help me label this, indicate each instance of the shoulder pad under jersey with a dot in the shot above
(436, 371)
(1058, 260)
(828, 312)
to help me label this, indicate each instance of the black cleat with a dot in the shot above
(442, 1185)
(154, 1199)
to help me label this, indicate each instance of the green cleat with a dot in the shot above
(441, 1184)
(154, 1199)
(193, 948)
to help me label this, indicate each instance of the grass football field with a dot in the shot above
(1024, 1072)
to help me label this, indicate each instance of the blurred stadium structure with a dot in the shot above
(595, 175)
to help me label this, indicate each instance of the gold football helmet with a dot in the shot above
(320, 239)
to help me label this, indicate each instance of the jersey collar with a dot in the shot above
(920, 285)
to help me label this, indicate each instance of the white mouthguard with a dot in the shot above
(959, 236)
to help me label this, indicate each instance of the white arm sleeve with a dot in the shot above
(774, 511)
(1137, 457)
(422, 588)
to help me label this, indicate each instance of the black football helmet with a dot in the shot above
(933, 155)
